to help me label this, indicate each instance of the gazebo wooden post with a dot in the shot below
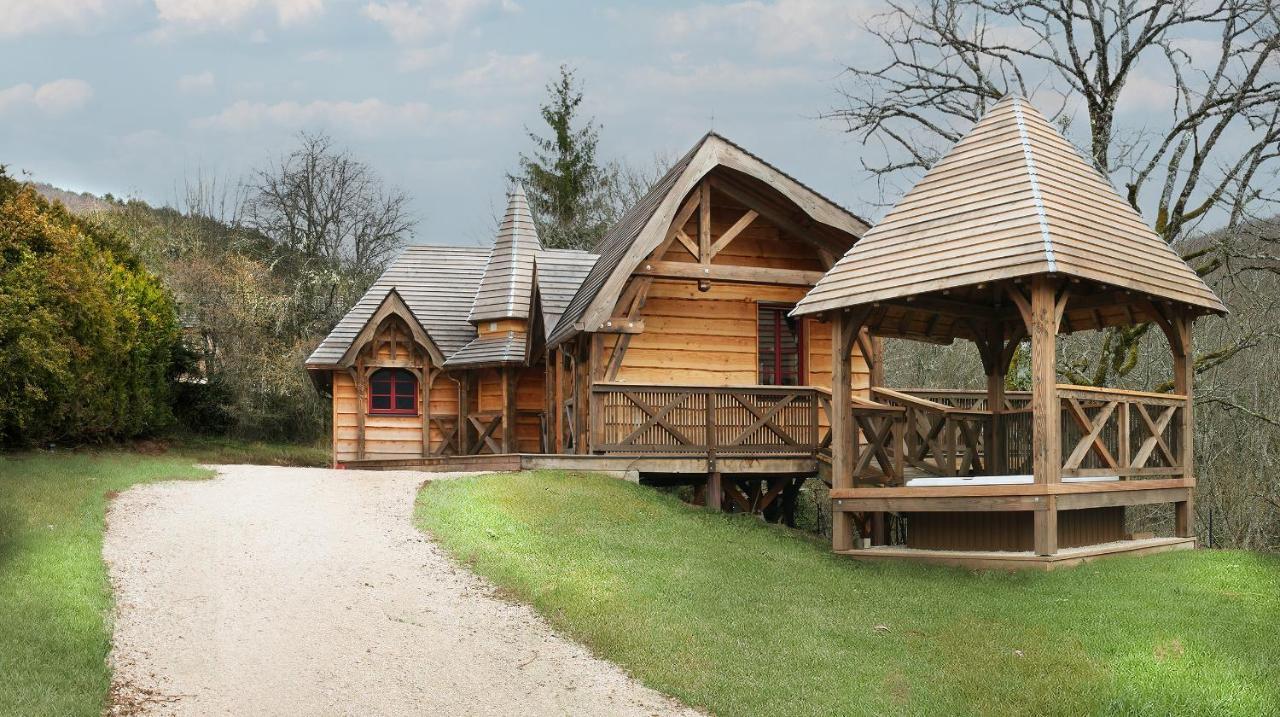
(1046, 413)
(991, 359)
(1177, 328)
(844, 333)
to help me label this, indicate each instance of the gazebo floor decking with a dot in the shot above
(611, 463)
(1022, 560)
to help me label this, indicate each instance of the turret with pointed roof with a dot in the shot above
(506, 289)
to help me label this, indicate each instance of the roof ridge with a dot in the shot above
(1029, 157)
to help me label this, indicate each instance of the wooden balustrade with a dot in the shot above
(1113, 432)
(721, 420)
(1108, 432)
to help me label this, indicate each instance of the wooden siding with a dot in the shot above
(1011, 530)
(530, 396)
(710, 338)
(386, 436)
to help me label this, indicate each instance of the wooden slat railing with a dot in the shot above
(1130, 434)
(719, 420)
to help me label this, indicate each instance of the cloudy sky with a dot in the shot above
(131, 96)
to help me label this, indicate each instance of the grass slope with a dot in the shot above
(741, 618)
(55, 600)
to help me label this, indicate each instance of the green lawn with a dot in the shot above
(742, 618)
(55, 600)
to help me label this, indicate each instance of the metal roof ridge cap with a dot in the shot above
(1036, 196)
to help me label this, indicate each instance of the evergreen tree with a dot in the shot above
(568, 190)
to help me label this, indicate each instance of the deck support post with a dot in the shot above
(509, 377)
(845, 327)
(1046, 440)
(715, 491)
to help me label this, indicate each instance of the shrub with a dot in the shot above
(87, 335)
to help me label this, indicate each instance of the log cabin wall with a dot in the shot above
(710, 338)
(388, 436)
(530, 400)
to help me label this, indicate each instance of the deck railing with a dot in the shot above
(721, 420)
(940, 432)
(1112, 432)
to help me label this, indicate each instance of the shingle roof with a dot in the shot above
(615, 244)
(506, 291)
(503, 347)
(560, 272)
(436, 282)
(1012, 198)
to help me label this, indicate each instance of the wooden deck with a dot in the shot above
(612, 463)
(998, 560)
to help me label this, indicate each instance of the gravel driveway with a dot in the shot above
(290, 591)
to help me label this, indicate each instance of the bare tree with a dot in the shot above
(328, 206)
(1212, 156)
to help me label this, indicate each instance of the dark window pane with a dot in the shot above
(404, 388)
(381, 403)
(380, 387)
(404, 403)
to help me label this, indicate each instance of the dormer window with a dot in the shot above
(394, 392)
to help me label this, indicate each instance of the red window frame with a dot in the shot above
(778, 314)
(394, 378)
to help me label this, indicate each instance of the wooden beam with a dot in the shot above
(362, 404)
(715, 491)
(727, 273)
(704, 223)
(732, 232)
(1046, 438)
(466, 382)
(845, 328)
(621, 325)
(510, 375)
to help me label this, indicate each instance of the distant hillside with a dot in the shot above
(82, 203)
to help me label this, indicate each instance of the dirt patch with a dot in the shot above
(308, 591)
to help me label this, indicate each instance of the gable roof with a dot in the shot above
(437, 283)
(1012, 198)
(559, 273)
(506, 290)
(642, 228)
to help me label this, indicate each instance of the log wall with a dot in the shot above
(385, 436)
(710, 338)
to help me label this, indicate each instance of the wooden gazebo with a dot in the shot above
(1011, 237)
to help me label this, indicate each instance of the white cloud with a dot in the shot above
(368, 117)
(195, 83)
(719, 77)
(52, 98)
(410, 21)
(420, 58)
(21, 17)
(205, 15)
(424, 26)
(501, 72)
(821, 28)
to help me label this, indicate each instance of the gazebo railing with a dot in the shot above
(1105, 433)
(1113, 432)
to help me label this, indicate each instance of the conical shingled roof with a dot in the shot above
(506, 289)
(1013, 198)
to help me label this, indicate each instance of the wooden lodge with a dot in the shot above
(727, 333)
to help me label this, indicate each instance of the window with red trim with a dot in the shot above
(780, 347)
(393, 391)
